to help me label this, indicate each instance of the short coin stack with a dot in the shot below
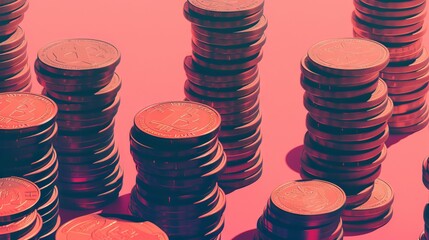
(79, 75)
(303, 210)
(399, 25)
(425, 179)
(109, 227)
(19, 218)
(374, 213)
(348, 110)
(179, 160)
(27, 129)
(14, 70)
(223, 73)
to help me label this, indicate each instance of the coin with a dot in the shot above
(221, 8)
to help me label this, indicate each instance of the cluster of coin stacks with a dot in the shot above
(19, 218)
(425, 179)
(179, 159)
(15, 73)
(348, 110)
(304, 210)
(27, 129)
(95, 227)
(227, 41)
(374, 213)
(79, 75)
(399, 25)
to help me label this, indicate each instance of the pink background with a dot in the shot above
(154, 37)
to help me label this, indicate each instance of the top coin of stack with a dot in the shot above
(79, 75)
(303, 210)
(27, 129)
(94, 227)
(14, 70)
(222, 72)
(19, 218)
(348, 110)
(179, 159)
(399, 25)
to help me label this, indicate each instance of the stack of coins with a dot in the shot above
(27, 129)
(399, 25)
(19, 218)
(374, 213)
(79, 75)
(303, 210)
(95, 227)
(425, 179)
(227, 41)
(348, 110)
(14, 70)
(179, 160)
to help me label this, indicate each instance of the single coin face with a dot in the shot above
(79, 54)
(25, 110)
(178, 120)
(226, 5)
(313, 197)
(97, 227)
(349, 54)
(17, 195)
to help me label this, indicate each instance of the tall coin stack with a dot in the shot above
(15, 73)
(399, 25)
(27, 129)
(19, 218)
(79, 75)
(304, 210)
(223, 73)
(348, 110)
(425, 179)
(179, 160)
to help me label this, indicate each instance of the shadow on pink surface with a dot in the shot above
(395, 138)
(293, 158)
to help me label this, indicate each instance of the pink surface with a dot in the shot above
(154, 37)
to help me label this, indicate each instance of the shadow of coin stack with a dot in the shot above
(425, 179)
(27, 129)
(179, 160)
(305, 210)
(19, 218)
(348, 110)
(227, 41)
(399, 25)
(79, 75)
(15, 75)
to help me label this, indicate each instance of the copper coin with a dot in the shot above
(240, 142)
(291, 199)
(14, 53)
(363, 56)
(232, 185)
(220, 23)
(401, 108)
(410, 129)
(18, 198)
(78, 57)
(242, 129)
(418, 117)
(390, 13)
(358, 197)
(406, 86)
(222, 42)
(408, 56)
(236, 65)
(419, 93)
(9, 72)
(392, 22)
(384, 30)
(238, 166)
(12, 41)
(317, 76)
(393, 39)
(368, 225)
(393, 4)
(34, 232)
(24, 112)
(222, 8)
(10, 7)
(410, 66)
(256, 29)
(237, 176)
(17, 229)
(105, 227)
(178, 122)
(409, 115)
(15, 12)
(405, 75)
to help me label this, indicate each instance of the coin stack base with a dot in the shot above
(400, 27)
(107, 228)
(179, 159)
(289, 214)
(26, 148)
(348, 110)
(87, 99)
(227, 41)
(19, 218)
(15, 75)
